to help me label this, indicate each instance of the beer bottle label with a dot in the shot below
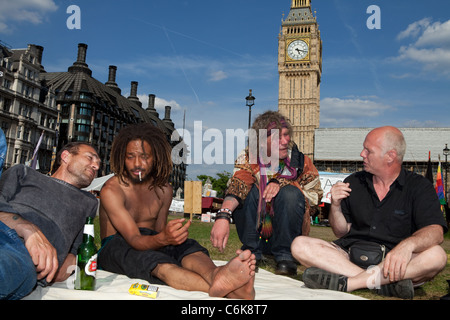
(89, 229)
(91, 266)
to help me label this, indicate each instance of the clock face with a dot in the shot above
(298, 50)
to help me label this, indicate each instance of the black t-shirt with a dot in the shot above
(410, 205)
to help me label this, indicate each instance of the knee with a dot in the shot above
(290, 192)
(440, 258)
(432, 261)
(291, 198)
(300, 246)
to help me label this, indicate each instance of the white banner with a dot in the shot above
(327, 180)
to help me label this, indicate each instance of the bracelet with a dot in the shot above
(274, 181)
(226, 210)
(224, 213)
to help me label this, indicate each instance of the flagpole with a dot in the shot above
(55, 144)
(34, 159)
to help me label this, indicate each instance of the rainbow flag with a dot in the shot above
(440, 186)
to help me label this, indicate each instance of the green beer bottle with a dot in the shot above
(86, 259)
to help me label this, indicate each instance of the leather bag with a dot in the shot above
(366, 253)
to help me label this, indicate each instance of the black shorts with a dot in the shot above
(117, 256)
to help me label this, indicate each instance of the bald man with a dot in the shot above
(386, 205)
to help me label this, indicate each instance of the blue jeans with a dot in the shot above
(17, 270)
(289, 208)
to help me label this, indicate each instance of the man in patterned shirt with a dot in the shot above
(270, 204)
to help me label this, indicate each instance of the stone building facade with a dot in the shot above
(68, 106)
(25, 113)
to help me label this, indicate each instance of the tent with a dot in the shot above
(98, 183)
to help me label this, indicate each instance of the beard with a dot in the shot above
(136, 179)
(82, 177)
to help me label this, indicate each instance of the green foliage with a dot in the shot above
(218, 184)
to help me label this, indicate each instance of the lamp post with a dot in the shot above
(446, 152)
(250, 102)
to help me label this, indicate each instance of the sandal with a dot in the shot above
(403, 289)
(316, 278)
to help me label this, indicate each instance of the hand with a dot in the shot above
(220, 233)
(339, 191)
(271, 191)
(175, 232)
(42, 253)
(396, 262)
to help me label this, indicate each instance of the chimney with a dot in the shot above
(80, 65)
(151, 105)
(134, 85)
(112, 79)
(133, 93)
(112, 74)
(82, 49)
(38, 50)
(167, 116)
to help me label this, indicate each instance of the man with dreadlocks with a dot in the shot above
(137, 239)
(270, 204)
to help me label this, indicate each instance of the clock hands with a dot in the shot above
(298, 50)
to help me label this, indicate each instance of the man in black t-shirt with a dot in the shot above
(385, 205)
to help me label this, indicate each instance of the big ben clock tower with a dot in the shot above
(300, 70)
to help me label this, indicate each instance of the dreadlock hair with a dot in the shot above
(160, 148)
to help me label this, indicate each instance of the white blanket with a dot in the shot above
(110, 286)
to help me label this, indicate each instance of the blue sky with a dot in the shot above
(201, 57)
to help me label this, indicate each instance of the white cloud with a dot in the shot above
(241, 68)
(160, 103)
(435, 35)
(421, 124)
(414, 29)
(32, 11)
(436, 59)
(217, 76)
(431, 46)
(345, 112)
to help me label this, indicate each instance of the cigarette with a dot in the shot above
(140, 179)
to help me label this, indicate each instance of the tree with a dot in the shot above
(219, 184)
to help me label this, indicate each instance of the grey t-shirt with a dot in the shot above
(58, 208)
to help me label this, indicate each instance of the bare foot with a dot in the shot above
(247, 291)
(236, 277)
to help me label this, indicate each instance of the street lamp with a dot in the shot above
(446, 152)
(250, 102)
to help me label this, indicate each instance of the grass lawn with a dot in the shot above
(200, 231)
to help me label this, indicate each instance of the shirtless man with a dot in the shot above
(137, 239)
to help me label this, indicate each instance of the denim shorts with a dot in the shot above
(17, 271)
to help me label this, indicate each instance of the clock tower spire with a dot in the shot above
(300, 3)
(300, 71)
